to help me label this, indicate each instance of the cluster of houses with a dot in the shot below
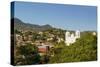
(43, 45)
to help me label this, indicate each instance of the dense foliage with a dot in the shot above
(27, 54)
(84, 49)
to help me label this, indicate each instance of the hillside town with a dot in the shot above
(43, 39)
(46, 43)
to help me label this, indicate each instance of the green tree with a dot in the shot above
(30, 53)
(84, 49)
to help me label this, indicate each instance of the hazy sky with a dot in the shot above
(68, 17)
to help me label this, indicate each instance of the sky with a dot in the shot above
(67, 17)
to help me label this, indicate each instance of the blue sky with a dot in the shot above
(68, 17)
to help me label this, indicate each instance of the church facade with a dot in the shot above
(70, 38)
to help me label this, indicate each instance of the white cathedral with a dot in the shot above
(70, 38)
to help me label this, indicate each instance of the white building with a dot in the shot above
(71, 38)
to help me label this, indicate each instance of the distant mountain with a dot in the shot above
(20, 25)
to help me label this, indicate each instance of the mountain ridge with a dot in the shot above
(20, 25)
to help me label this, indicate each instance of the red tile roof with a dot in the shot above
(42, 49)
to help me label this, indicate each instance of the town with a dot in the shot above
(44, 41)
(42, 45)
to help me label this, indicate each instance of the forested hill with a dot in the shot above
(20, 25)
